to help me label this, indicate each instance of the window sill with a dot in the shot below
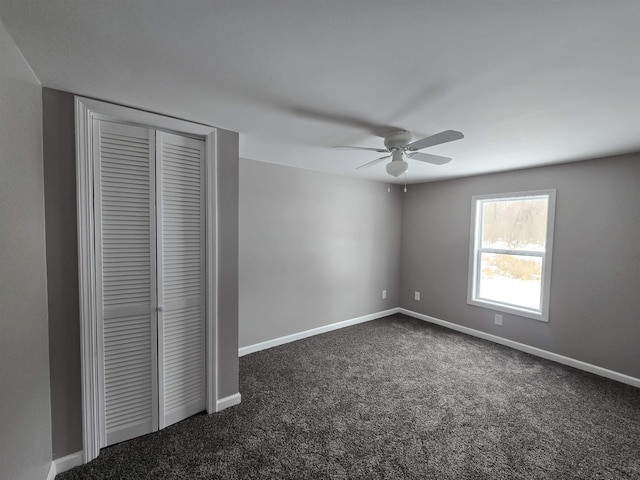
(499, 307)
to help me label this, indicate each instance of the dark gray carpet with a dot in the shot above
(396, 398)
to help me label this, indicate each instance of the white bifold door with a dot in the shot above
(149, 220)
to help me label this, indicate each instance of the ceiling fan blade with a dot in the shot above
(429, 158)
(376, 161)
(437, 139)
(344, 119)
(379, 150)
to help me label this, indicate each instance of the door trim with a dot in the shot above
(86, 110)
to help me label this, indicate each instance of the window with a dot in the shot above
(510, 252)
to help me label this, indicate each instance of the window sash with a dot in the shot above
(506, 251)
(478, 273)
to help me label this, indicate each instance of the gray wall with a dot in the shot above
(315, 249)
(62, 261)
(25, 415)
(62, 270)
(595, 277)
(228, 198)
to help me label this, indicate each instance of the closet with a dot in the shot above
(149, 220)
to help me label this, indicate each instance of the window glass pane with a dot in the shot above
(512, 279)
(515, 224)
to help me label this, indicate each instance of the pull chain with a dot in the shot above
(405, 182)
(388, 187)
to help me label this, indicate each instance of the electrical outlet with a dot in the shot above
(384, 294)
(416, 295)
(498, 319)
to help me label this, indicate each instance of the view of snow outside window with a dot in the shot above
(520, 227)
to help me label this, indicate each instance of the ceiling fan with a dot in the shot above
(400, 147)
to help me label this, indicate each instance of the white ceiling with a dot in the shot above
(528, 82)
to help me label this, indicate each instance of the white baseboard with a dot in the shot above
(538, 352)
(63, 464)
(51, 475)
(314, 331)
(227, 402)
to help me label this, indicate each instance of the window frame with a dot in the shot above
(476, 250)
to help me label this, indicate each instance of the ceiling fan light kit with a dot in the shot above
(397, 166)
(400, 147)
(395, 169)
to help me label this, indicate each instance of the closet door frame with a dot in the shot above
(86, 110)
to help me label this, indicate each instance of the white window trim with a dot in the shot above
(85, 110)
(543, 313)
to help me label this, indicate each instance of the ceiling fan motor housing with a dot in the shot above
(398, 140)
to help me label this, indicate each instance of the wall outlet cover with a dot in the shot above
(416, 295)
(498, 319)
(384, 294)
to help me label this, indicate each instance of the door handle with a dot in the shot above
(160, 308)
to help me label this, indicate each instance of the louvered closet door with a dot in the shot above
(126, 278)
(180, 193)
